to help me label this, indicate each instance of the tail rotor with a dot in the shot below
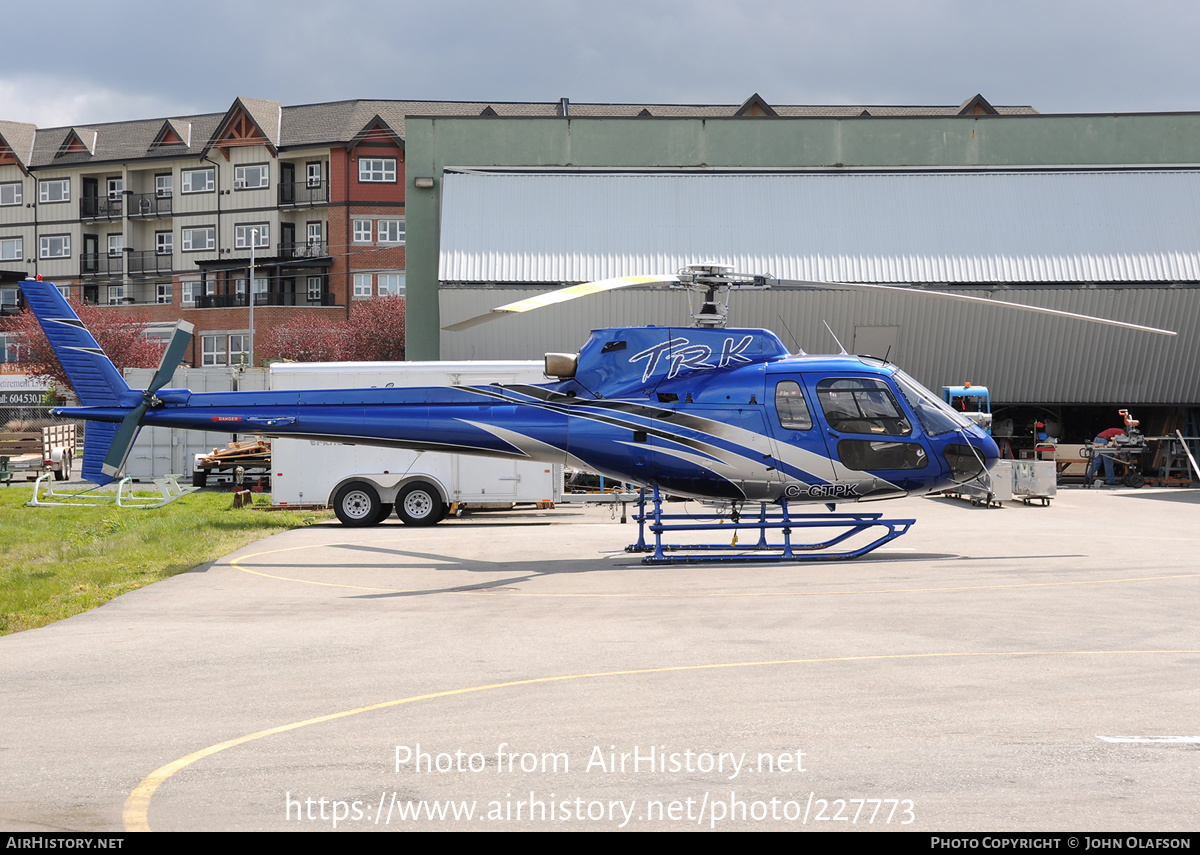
(118, 451)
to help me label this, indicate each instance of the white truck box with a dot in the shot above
(308, 472)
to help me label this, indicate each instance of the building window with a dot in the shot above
(116, 295)
(315, 290)
(198, 180)
(65, 290)
(314, 234)
(362, 231)
(12, 249)
(252, 177)
(244, 235)
(163, 185)
(198, 238)
(212, 350)
(362, 285)
(314, 174)
(116, 245)
(164, 292)
(391, 231)
(116, 187)
(56, 246)
(260, 289)
(191, 289)
(11, 194)
(377, 169)
(391, 284)
(164, 243)
(239, 349)
(58, 190)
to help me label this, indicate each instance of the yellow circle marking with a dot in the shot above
(136, 811)
(236, 564)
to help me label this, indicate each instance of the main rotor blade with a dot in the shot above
(172, 356)
(967, 299)
(561, 296)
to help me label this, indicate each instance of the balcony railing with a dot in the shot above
(149, 205)
(303, 194)
(151, 261)
(101, 207)
(308, 249)
(101, 264)
(228, 301)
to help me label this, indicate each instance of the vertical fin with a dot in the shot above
(97, 441)
(96, 380)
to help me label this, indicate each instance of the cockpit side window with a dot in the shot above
(791, 407)
(861, 405)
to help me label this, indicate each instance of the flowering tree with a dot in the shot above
(121, 336)
(375, 332)
(309, 337)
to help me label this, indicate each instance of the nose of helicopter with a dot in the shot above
(987, 447)
(969, 453)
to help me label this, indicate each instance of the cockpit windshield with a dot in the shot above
(935, 415)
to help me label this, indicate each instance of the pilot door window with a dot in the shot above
(861, 405)
(866, 406)
(791, 407)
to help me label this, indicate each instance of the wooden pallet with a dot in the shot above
(253, 451)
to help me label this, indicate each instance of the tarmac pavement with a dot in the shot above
(1022, 668)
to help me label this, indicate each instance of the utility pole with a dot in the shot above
(250, 288)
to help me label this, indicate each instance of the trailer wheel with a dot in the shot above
(200, 478)
(63, 473)
(420, 503)
(357, 504)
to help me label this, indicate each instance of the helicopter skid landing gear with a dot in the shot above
(768, 518)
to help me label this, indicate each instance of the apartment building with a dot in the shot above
(165, 217)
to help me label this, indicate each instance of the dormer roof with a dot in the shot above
(250, 121)
(756, 106)
(16, 143)
(78, 141)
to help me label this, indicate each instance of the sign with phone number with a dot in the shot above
(24, 398)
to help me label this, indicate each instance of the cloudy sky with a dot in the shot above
(125, 59)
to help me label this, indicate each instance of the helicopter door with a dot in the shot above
(870, 434)
(799, 444)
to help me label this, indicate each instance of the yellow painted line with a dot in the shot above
(236, 564)
(136, 811)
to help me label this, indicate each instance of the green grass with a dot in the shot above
(58, 562)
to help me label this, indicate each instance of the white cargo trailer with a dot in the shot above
(363, 483)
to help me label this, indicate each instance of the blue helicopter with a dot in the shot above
(707, 412)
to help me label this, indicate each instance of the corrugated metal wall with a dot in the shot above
(1039, 227)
